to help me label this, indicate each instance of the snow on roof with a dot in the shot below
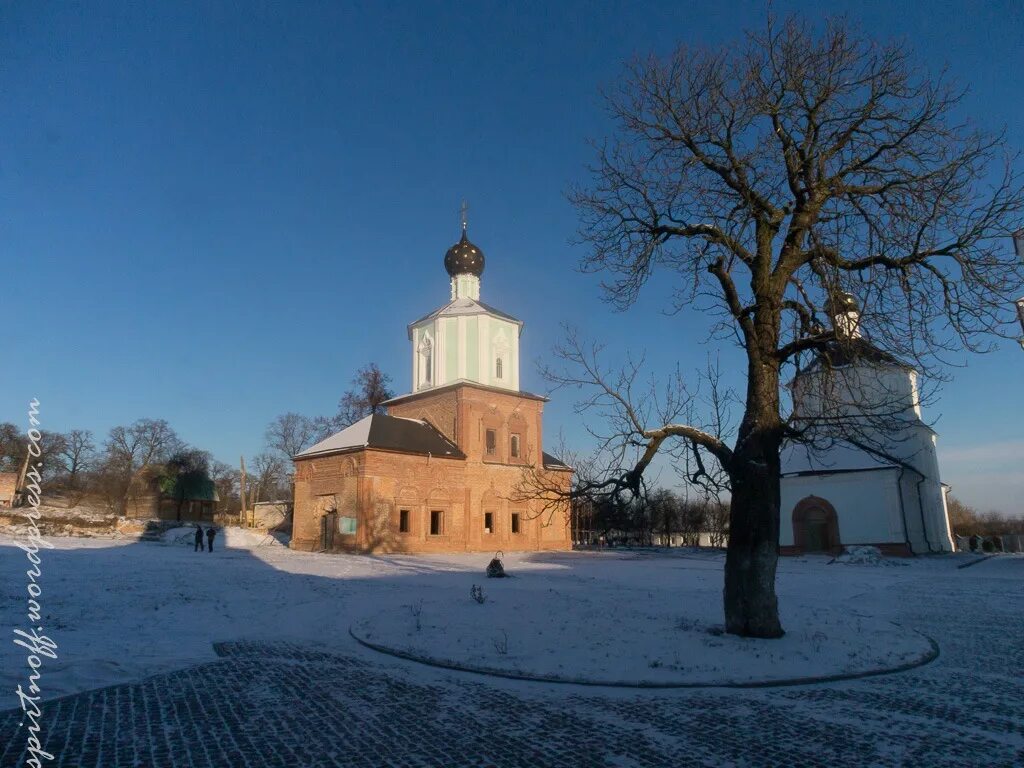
(465, 306)
(551, 462)
(355, 436)
(392, 433)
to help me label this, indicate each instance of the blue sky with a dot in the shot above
(216, 214)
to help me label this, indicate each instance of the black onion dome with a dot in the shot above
(464, 258)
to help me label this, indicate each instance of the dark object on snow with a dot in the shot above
(199, 539)
(495, 570)
(210, 533)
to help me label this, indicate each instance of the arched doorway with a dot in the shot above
(815, 526)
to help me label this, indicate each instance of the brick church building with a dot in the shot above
(440, 471)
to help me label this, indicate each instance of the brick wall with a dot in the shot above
(380, 484)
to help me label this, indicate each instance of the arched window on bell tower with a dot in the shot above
(501, 351)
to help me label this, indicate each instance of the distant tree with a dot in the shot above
(185, 475)
(963, 519)
(226, 481)
(693, 520)
(12, 447)
(269, 477)
(367, 396)
(291, 433)
(780, 178)
(664, 511)
(130, 452)
(717, 519)
(77, 455)
(51, 447)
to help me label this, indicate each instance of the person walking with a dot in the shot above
(199, 539)
(210, 533)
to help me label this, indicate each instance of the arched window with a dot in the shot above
(426, 360)
(498, 368)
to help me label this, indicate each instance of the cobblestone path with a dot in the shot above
(282, 705)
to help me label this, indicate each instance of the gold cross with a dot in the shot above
(464, 214)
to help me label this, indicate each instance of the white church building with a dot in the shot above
(869, 475)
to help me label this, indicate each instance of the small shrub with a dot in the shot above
(817, 640)
(501, 643)
(477, 593)
(687, 625)
(416, 609)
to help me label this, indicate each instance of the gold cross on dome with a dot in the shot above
(464, 215)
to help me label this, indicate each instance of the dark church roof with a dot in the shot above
(850, 351)
(464, 258)
(388, 433)
(550, 462)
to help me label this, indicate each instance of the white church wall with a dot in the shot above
(879, 391)
(927, 521)
(867, 505)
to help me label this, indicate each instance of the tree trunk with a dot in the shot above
(751, 607)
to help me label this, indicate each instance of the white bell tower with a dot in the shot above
(465, 340)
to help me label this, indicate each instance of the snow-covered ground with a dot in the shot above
(589, 631)
(122, 610)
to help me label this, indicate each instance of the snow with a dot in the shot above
(589, 630)
(866, 555)
(230, 538)
(120, 610)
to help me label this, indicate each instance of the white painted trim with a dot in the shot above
(461, 369)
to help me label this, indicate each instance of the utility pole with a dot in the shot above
(241, 513)
(21, 478)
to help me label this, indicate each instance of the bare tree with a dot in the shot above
(226, 479)
(367, 396)
(693, 520)
(775, 177)
(664, 514)
(132, 451)
(12, 447)
(291, 433)
(269, 473)
(77, 455)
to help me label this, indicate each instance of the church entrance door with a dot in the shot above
(815, 526)
(816, 532)
(327, 525)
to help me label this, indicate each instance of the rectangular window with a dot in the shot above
(346, 525)
(403, 521)
(488, 522)
(515, 522)
(515, 446)
(492, 442)
(436, 520)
